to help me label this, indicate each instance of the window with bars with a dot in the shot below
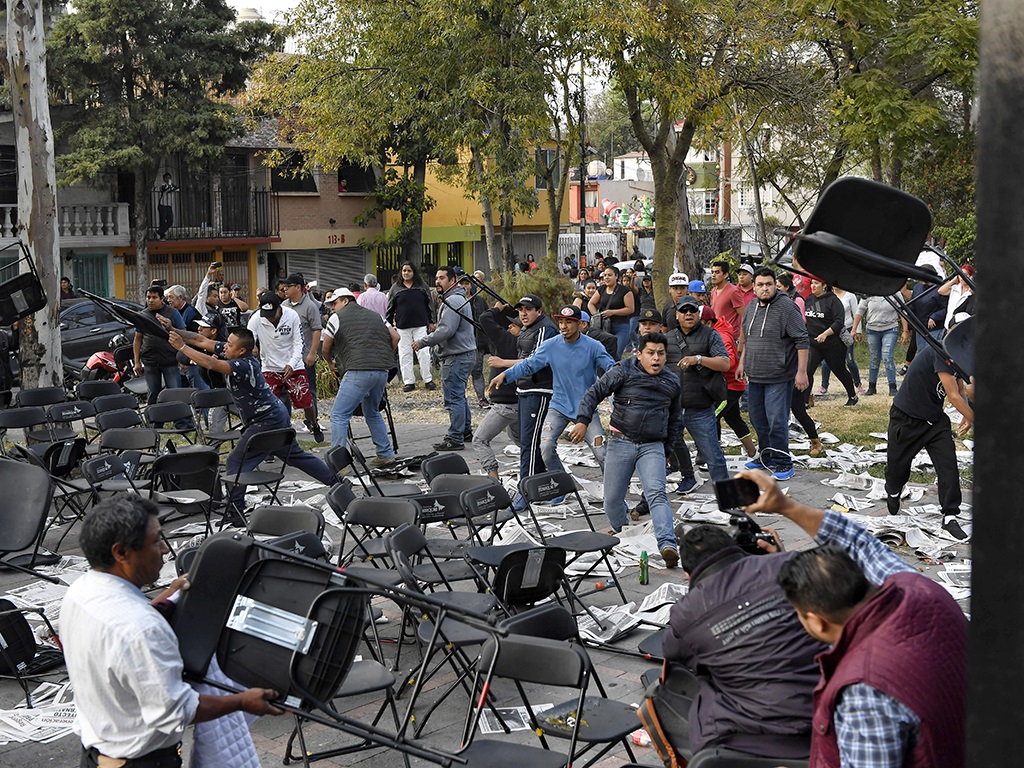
(188, 269)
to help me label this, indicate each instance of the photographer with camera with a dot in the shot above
(740, 670)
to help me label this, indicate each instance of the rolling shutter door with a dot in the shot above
(330, 267)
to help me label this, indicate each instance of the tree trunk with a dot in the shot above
(39, 350)
(414, 245)
(144, 178)
(487, 210)
(507, 251)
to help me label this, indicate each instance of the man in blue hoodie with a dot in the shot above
(774, 360)
(574, 360)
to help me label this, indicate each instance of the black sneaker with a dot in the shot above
(430, 385)
(467, 436)
(952, 527)
(315, 430)
(892, 503)
(449, 445)
(851, 402)
(409, 388)
(892, 390)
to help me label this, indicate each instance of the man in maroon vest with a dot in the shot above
(892, 685)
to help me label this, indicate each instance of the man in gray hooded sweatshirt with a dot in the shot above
(774, 357)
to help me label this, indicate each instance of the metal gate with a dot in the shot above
(89, 271)
(330, 267)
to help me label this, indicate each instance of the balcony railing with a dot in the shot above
(79, 226)
(201, 214)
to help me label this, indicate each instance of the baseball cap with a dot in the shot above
(697, 286)
(744, 267)
(652, 316)
(687, 301)
(530, 300)
(707, 313)
(569, 312)
(211, 320)
(338, 293)
(269, 304)
(678, 279)
(294, 279)
(584, 316)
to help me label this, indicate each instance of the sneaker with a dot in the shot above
(382, 461)
(484, 404)
(892, 503)
(557, 500)
(822, 390)
(409, 388)
(467, 436)
(902, 370)
(892, 390)
(430, 385)
(851, 402)
(449, 445)
(318, 433)
(783, 474)
(755, 464)
(952, 527)
(519, 502)
(687, 485)
(671, 556)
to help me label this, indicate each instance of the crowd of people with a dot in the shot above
(842, 673)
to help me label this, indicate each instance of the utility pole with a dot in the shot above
(583, 171)
(39, 343)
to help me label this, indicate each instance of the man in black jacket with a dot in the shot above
(646, 418)
(501, 326)
(754, 667)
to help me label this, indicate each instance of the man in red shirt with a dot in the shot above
(745, 282)
(726, 299)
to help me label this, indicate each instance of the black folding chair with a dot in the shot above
(24, 419)
(216, 398)
(186, 483)
(20, 654)
(443, 464)
(279, 521)
(23, 517)
(341, 458)
(90, 390)
(272, 442)
(173, 412)
(63, 416)
(366, 521)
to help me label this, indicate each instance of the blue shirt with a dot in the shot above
(252, 395)
(573, 368)
(873, 730)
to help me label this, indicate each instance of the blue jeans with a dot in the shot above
(554, 424)
(365, 388)
(882, 346)
(158, 377)
(769, 406)
(298, 458)
(619, 328)
(455, 370)
(702, 424)
(648, 459)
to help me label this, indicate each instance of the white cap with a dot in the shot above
(678, 279)
(338, 293)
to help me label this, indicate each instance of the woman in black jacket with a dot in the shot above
(410, 310)
(825, 320)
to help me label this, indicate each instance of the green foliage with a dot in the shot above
(555, 289)
(960, 238)
(396, 192)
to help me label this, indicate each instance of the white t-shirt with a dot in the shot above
(281, 345)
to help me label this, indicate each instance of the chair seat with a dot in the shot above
(603, 720)
(182, 496)
(453, 632)
(365, 676)
(448, 549)
(584, 541)
(450, 570)
(122, 486)
(474, 602)
(491, 753)
(256, 477)
(223, 437)
(653, 644)
(491, 556)
(380, 576)
(395, 490)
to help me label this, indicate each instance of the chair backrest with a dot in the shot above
(71, 411)
(176, 394)
(547, 486)
(122, 418)
(168, 468)
(90, 390)
(29, 491)
(338, 458)
(378, 512)
(278, 521)
(459, 483)
(443, 464)
(115, 402)
(102, 468)
(526, 576)
(273, 441)
(535, 660)
(133, 439)
(169, 411)
(212, 398)
(340, 496)
(550, 620)
(41, 396)
(438, 507)
(403, 543)
(20, 418)
(61, 458)
(17, 643)
(485, 500)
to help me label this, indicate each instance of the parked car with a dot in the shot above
(86, 328)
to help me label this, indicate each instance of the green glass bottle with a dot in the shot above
(644, 575)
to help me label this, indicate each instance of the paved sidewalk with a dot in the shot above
(620, 671)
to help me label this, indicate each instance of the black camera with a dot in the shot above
(747, 533)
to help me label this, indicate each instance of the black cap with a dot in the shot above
(294, 279)
(211, 320)
(269, 303)
(569, 312)
(687, 301)
(530, 300)
(652, 316)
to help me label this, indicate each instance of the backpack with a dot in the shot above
(665, 714)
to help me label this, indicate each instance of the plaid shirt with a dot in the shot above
(873, 729)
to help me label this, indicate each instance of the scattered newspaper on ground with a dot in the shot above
(615, 622)
(514, 718)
